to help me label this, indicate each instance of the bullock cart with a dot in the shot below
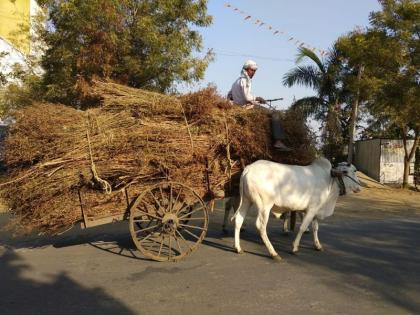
(157, 161)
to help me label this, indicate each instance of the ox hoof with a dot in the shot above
(276, 258)
(319, 248)
(294, 252)
(240, 251)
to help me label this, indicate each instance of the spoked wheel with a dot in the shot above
(168, 221)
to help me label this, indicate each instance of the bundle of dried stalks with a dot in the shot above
(57, 155)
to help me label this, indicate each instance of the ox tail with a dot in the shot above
(241, 194)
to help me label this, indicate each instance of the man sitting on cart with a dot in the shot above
(241, 95)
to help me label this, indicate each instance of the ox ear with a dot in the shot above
(336, 173)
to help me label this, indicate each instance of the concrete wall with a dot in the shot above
(13, 56)
(392, 161)
(13, 41)
(13, 15)
(367, 157)
(382, 159)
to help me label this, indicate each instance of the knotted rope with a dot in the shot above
(104, 184)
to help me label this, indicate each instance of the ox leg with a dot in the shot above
(292, 215)
(239, 219)
(301, 215)
(305, 223)
(261, 223)
(228, 206)
(315, 227)
(286, 222)
(231, 203)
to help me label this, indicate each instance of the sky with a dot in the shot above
(234, 39)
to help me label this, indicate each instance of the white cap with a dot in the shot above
(250, 64)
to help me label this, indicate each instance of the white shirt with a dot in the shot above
(240, 92)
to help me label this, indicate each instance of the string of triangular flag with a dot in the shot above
(291, 38)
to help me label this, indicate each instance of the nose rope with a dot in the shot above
(357, 182)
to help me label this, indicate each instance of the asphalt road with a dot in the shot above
(371, 265)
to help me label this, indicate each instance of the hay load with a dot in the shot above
(134, 139)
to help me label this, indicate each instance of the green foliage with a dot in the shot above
(24, 88)
(389, 52)
(143, 43)
(324, 77)
(399, 96)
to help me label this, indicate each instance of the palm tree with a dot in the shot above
(324, 77)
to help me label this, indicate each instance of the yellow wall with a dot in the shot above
(14, 14)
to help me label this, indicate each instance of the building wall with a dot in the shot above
(392, 161)
(382, 159)
(13, 15)
(367, 157)
(13, 56)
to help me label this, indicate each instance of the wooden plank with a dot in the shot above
(105, 220)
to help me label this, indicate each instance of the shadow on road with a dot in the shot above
(382, 257)
(366, 252)
(57, 295)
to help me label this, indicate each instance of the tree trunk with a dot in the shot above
(408, 156)
(354, 114)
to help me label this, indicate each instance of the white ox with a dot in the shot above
(279, 188)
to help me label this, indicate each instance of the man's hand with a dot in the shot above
(260, 100)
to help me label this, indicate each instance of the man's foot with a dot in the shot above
(280, 146)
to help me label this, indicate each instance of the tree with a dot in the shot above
(143, 43)
(323, 77)
(381, 71)
(398, 99)
(359, 52)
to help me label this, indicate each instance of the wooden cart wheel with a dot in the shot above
(168, 221)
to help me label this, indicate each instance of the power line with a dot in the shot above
(239, 54)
